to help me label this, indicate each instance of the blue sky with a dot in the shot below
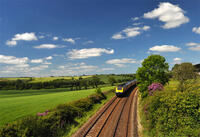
(75, 37)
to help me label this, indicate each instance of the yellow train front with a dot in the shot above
(122, 89)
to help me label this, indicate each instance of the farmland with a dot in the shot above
(15, 104)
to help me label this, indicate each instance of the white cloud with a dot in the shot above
(117, 36)
(172, 15)
(165, 48)
(135, 18)
(177, 60)
(12, 60)
(106, 69)
(196, 30)
(88, 42)
(196, 48)
(49, 58)
(55, 38)
(37, 61)
(120, 62)
(70, 40)
(48, 46)
(192, 44)
(74, 69)
(24, 36)
(87, 53)
(47, 63)
(39, 68)
(11, 43)
(130, 32)
(146, 28)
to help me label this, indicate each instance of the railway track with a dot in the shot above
(117, 118)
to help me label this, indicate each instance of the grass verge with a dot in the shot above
(87, 115)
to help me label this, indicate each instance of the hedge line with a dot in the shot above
(55, 123)
(173, 114)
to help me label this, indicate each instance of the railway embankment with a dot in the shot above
(116, 118)
(171, 112)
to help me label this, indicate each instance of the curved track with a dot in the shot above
(117, 118)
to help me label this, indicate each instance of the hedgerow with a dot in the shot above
(55, 123)
(173, 114)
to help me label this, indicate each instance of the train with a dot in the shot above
(122, 89)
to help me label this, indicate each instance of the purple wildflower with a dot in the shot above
(155, 87)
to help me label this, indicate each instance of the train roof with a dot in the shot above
(127, 83)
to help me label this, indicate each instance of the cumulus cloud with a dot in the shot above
(120, 62)
(11, 43)
(172, 15)
(13, 60)
(135, 18)
(165, 48)
(21, 37)
(196, 30)
(177, 60)
(55, 38)
(37, 61)
(49, 58)
(195, 48)
(87, 53)
(192, 44)
(130, 32)
(25, 36)
(70, 40)
(48, 46)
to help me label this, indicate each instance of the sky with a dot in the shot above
(75, 37)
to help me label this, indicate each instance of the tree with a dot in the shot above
(112, 80)
(95, 81)
(154, 70)
(185, 74)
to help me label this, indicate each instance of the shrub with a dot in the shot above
(173, 114)
(155, 87)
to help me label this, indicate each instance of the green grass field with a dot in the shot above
(15, 104)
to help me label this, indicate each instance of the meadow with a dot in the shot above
(15, 104)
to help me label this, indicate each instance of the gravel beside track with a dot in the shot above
(117, 118)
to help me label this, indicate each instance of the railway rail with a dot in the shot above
(117, 118)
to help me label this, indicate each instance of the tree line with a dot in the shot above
(70, 84)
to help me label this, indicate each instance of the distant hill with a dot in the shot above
(197, 66)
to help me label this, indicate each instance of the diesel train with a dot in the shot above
(122, 89)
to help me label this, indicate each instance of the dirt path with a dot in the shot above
(117, 118)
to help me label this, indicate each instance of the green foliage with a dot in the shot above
(112, 80)
(173, 114)
(184, 72)
(154, 69)
(98, 90)
(55, 123)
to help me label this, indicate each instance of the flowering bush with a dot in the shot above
(155, 86)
